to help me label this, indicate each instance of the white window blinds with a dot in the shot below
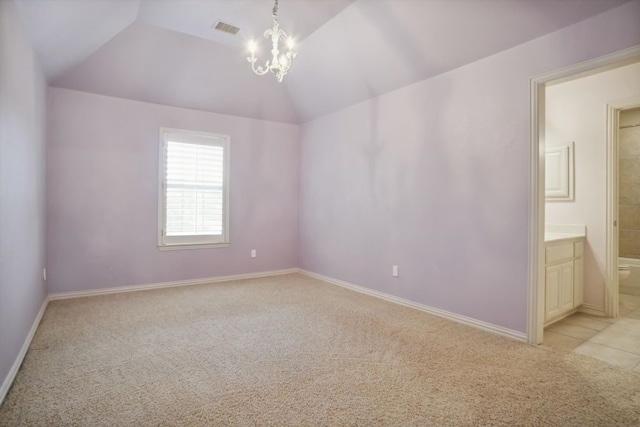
(194, 188)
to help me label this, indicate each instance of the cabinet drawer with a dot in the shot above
(558, 253)
(579, 249)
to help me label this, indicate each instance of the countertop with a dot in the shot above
(558, 237)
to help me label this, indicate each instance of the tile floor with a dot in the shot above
(615, 341)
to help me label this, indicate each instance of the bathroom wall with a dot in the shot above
(22, 170)
(577, 111)
(629, 182)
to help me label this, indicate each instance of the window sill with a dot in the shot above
(192, 246)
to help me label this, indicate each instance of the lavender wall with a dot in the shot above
(22, 165)
(103, 196)
(434, 178)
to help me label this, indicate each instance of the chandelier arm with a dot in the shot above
(259, 70)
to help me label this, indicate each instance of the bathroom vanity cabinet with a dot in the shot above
(564, 276)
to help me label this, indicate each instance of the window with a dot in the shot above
(193, 206)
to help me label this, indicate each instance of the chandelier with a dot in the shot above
(279, 65)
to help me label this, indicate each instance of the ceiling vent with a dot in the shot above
(226, 28)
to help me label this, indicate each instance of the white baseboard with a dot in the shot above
(592, 309)
(479, 324)
(564, 316)
(6, 385)
(191, 282)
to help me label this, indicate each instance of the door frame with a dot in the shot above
(611, 294)
(535, 285)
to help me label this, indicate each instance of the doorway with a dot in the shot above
(614, 111)
(536, 287)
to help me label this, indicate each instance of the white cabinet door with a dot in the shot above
(559, 290)
(566, 286)
(564, 279)
(578, 282)
(553, 276)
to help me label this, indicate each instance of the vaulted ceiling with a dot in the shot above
(166, 52)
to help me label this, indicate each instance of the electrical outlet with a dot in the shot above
(44, 274)
(395, 271)
(253, 253)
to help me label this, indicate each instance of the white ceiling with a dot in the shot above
(65, 32)
(164, 51)
(153, 64)
(373, 47)
(195, 17)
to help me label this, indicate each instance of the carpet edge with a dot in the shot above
(469, 321)
(173, 284)
(11, 376)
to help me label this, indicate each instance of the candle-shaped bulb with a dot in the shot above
(290, 43)
(252, 46)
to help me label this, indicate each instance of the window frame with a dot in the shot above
(193, 241)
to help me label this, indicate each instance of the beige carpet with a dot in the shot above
(290, 350)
